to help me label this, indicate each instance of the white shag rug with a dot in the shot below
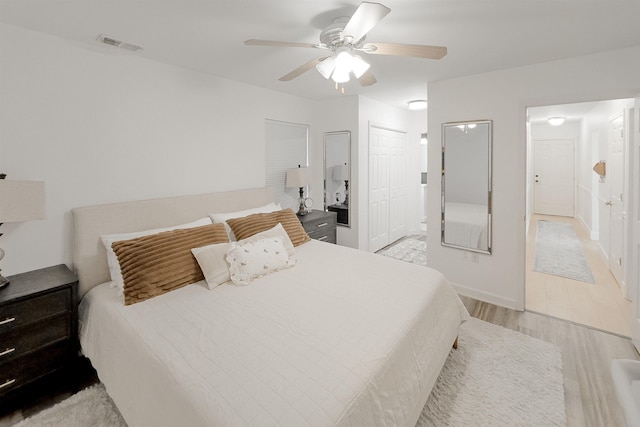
(496, 377)
(411, 249)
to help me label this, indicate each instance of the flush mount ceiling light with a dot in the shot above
(417, 104)
(556, 121)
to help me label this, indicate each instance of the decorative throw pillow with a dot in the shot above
(250, 260)
(253, 224)
(159, 263)
(213, 264)
(223, 217)
(112, 260)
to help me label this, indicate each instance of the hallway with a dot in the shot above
(600, 305)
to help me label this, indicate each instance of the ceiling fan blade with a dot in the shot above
(415, 50)
(367, 79)
(366, 16)
(301, 69)
(258, 42)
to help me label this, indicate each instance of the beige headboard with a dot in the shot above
(91, 222)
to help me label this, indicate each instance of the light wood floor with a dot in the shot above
(600, 305)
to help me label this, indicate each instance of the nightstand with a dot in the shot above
(320, 225)
(38, 326)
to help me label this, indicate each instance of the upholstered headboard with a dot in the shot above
(91, 222)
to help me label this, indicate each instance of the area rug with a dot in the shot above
(558, 252)
(496, 377)
(411, 249)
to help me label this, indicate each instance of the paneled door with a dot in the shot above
(554, 182)
(387, 187)
(615, 176)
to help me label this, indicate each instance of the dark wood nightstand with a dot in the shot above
(320, 225)
(38, 327)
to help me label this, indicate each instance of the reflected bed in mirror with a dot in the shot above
(337, 175)
(466, 185)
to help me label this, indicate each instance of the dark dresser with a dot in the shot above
(320, 225)
(38, 326)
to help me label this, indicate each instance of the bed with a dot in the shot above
(343, 338)
(466, 225)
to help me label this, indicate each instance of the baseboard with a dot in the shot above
(484, 296)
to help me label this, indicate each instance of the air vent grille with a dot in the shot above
(118, 43)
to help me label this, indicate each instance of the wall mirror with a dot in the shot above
(337, 175)
(466, 185)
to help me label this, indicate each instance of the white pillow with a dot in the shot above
(250, 260)
(212, 262)
(223, 217)
(277, 231)
(112, 259)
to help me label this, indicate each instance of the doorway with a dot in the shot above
(568, 153)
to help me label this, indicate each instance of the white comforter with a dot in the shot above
(343, 338)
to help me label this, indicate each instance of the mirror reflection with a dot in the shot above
(466, 185)
(337, 174)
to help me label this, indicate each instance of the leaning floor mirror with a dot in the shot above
(466, 185)
(337, 175)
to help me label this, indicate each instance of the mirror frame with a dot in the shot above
(327, 139)
(489, 142)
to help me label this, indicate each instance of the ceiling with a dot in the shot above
(208, 35)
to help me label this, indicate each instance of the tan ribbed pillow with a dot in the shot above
(252, 224)
(159, 263)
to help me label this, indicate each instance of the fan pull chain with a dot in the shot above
(341, 89)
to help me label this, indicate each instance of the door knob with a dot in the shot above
(537, 180)
(608, 203)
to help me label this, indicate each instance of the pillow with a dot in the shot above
(212, 262)
(112, 260)
(252, 224)
(155, 264)
(249, 260)
(223, 217)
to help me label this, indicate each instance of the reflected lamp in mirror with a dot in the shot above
(20, 201)
(299, 178)
(341, 173)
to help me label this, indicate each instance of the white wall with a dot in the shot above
(100, 128)
(503, 96)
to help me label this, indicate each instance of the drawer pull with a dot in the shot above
(324, 224)
(7, 383)
(7, 351)
(319, 238)
(7, 320)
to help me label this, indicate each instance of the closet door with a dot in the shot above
(387, 187)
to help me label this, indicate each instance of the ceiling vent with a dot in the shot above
(118, 43)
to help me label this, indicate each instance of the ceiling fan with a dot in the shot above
(344, 38)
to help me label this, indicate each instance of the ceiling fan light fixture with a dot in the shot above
(359, 66)
(556, 121)
(417, 104)
(340, 75)
(326, 67)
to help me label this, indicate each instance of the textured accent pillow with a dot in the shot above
(212, 262)
(252, 224)
(159, 263)
(112, 260)
(223, 217)
(249, 260)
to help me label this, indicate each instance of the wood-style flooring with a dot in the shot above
(600, 305)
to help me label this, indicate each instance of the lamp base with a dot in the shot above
(3, 281)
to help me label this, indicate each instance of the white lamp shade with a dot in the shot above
(341, 173)
(359, 66)
(21, 200)
(326, 67)
(298, 177)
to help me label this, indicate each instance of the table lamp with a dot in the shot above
(341, 173)
(298, 178)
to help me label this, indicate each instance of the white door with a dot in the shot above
(387, 187)
(553, 165)
(615, 175)
(378, 190)
(633, 203)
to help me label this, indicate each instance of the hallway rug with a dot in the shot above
(411, 249)
(558, 252)
(496, 377)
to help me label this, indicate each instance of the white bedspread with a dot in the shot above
(466, 225)
(344, 338)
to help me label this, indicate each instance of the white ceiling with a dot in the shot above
(208, 35)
